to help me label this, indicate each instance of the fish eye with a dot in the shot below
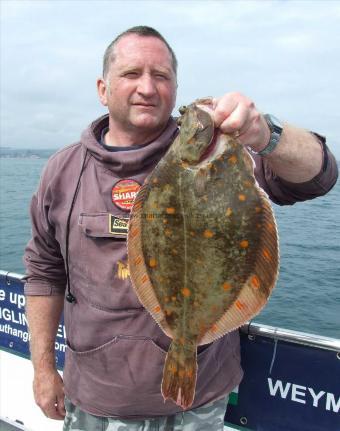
(182, 109)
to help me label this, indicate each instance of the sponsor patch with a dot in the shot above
(118, 226)
(124, 193)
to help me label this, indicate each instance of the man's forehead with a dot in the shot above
(133, 45)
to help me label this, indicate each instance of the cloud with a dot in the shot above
(284, 55)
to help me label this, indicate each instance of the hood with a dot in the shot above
(130, 161)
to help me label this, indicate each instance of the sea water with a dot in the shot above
(307, 295)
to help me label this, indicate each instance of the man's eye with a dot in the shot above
(131, 75)
(161, 76)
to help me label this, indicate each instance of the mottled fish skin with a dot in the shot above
(206, 239)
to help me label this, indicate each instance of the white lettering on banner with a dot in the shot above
(278, 385)
(330, 400)
(18, 299)
(315, 396)
(61, 347)
(19, 333)
(61, 333)
(296, 392)
(300, 394)
(13, 316)
(2, 295)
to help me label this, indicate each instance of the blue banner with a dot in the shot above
(14, 336)
(286, 387)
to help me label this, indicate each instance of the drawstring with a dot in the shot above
(69, 297)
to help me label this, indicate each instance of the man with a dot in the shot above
(116, 351)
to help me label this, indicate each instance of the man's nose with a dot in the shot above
(146, 85)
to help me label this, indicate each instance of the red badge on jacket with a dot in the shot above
(124, 192)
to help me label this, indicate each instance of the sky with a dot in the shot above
(283, 54)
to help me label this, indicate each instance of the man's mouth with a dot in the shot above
(144, 105)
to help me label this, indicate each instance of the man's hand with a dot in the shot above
(297, 158)
(48, 391)
(237, 115)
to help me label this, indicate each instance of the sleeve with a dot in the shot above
(283, 192)
(45, 269)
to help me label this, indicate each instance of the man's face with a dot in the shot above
(140, 89)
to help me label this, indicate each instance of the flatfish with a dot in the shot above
(202, 244)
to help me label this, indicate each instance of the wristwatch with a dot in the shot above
(275, 127)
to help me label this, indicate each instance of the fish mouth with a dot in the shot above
(209, 150)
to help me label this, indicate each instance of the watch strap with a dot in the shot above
(275, 135)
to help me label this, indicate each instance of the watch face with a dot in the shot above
(275, 122)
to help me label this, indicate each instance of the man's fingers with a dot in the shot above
(53, 413)
(61, 405)
(49, 393)
(238, 120)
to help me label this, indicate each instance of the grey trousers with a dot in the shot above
(206, 418)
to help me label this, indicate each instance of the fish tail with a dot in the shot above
(179, 375)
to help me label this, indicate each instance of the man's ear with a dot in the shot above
(102, 88)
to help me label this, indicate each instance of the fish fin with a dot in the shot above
(138, 271)
(179, 375)
(259, 283)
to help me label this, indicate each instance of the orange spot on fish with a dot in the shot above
(244, 244)
(149, 217)
(189, 373)
(172, 368)
(173, 298)
(232, 159)
(138, 260)
(214, 328)
(168, 312)
(229, 212)
(181, 340)
(186, 292)
(185, 165)
(205, 198)
(144, 278)
(166, 299)
(208, 233)
(242, 197)
(255, 282)
(165, 221)
(155, 180)
(270, 227)
(152, 262)
(266, 254)
(170, 210)
(226, 286)
(192, 233)
(181, 373)
(168, 232)
(157, 309)
(174, 252)
(247, 183)
(240, 305)
(258, 209)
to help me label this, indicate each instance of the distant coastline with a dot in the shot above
(24, 153)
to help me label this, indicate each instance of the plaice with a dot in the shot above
(202, 245)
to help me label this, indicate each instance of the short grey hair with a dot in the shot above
(143, 31)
